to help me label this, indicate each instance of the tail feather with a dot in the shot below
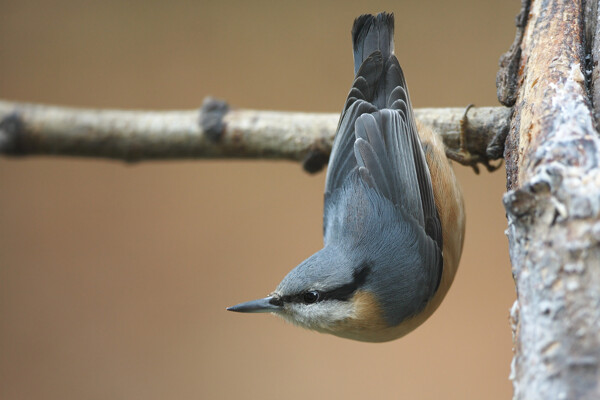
(371, 33)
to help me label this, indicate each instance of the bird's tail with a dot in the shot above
(371, 33)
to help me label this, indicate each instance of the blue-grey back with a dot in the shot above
(379, 204)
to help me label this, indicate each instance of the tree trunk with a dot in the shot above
(553, 205)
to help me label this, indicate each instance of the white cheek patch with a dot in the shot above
(318, 316)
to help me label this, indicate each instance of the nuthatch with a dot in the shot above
(393, 218)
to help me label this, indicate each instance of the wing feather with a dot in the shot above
(377, 135)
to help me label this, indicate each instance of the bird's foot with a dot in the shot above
(464, 156)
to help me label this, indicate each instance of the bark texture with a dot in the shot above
(214, 131)
(553, 209)
(592, 40)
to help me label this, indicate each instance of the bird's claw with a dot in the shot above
(472, 160)
(464, 156)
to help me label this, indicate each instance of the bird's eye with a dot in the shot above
(311, 297)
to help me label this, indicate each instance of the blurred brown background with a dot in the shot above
(114, 279)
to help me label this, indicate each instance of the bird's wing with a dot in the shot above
(383, 145)
(342, 160)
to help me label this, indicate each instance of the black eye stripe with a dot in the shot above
(346, 291)
(276, 301)
(342, 293)
(300, 297)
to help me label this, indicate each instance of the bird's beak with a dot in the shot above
(268, 304)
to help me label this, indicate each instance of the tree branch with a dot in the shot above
(553, 208)
(214, 131)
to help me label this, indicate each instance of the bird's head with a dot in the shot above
(326, 293)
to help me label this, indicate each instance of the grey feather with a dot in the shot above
(379, 204)
(377, 143)
(394, 158)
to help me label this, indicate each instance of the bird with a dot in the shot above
(393, 220)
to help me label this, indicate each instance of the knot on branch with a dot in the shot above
(212, 116)
(315, 161)
(532, 199)
(556, 193)
(11, 127)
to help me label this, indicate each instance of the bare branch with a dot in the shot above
(215, 131)
(552, 159)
